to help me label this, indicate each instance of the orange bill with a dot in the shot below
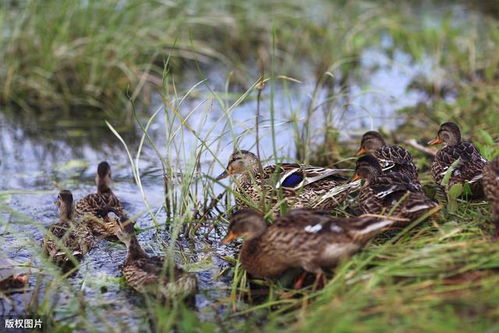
(361, 151)
(435, 141)
(356, 177)
(229, 238)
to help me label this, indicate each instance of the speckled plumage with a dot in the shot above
(470, 167)
(393, 194)
(148, 274)
(12, 278)
(88, 207)
(74, 235)
(393, 159)
(491, 189)
(307, 238)
(293, 184)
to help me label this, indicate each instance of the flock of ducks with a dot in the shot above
(385, 187)
(390, 196)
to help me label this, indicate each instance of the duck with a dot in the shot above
(89, 206)
(393, 194)
(491, 189)
(471, 163)
(305, 238)
(147, 274)
(391, 158)
(12, 278)
(68, 240)
(293, 184)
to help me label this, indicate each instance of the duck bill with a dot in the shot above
(361, 151)
(229, 238)
(435, 141)
(223, 175)
(356, 177)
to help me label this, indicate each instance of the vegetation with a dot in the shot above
(78, 58)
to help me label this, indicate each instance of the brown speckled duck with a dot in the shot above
(69, 239)
(88, 207)
(151, 274)
(491, 189)
(391, 158)
(307, 238)
(290, 183)
(12, 278)
(393, 194)
(470, 167)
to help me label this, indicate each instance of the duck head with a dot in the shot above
(103, 177)
(64, 204)
(240, 161)
(449, 134)
(247, 223)
(371, 141)
(367, 168)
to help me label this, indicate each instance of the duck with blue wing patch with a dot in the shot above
(292, 184)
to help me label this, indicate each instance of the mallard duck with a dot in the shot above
(68, 238)
(392, 194)
(88, 207)
(391, 158)
(297, 185)
(470, 168)
(151, 274)
(308, 238)
(491, 189)
(12, 279)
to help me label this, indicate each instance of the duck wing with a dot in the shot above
(469, 169)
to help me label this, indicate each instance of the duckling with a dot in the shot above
(69, 237)
(491, 189)
(299, 185)
(394, 193)
(307, 238)
(151, 274)
(391, 158)
(89, 206)
(12, 279)
(470, 167)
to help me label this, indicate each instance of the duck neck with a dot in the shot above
(252, 248)
(103, 188)
(66, 213)
(453, 141)
(135, 251)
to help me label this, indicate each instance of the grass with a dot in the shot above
(440, 275)
(74, 57)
